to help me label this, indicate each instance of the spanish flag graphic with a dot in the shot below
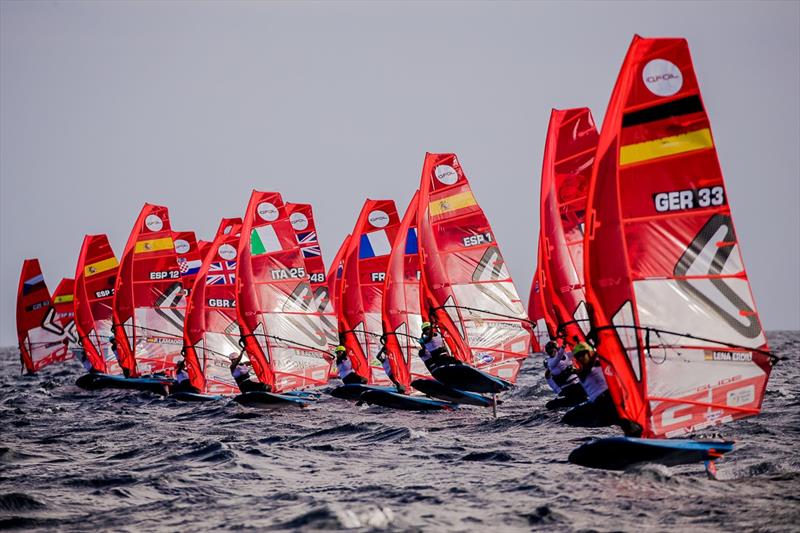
(454, 204)
(154, 245)
(100, 266)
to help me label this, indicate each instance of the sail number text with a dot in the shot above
(689, 199)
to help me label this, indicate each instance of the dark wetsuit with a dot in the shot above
(599, 410)
(347, 374)
(565, 379)
(434, 352)
(242, 376)
(183, 383)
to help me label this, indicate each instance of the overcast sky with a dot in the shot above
(107, 105)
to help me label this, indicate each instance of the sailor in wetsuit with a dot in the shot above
(345, 368)
(599, 409)
(387, 367)
(240, 370)
(561, 376)
(182, 381)
(434, 351)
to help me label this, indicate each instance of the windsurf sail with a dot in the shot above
(365, 263)
(64, 305)
(334, 282)
(203, 247)
(401, 317)
(465, 282)
(149, 297)
(42, 335)
(276, 309)
(95, 278)
(302, 218)
(543, 329)
(566, 171)
(677, 328)
(211, 331)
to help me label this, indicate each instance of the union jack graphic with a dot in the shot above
(221, 272)
(309, 244)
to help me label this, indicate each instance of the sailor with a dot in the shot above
(599, 409)
(80, 355)
(240, 370)
(182, 381)
(434, 351)
(345, 368)
(562, 377)
(112, 346)
(387, 367)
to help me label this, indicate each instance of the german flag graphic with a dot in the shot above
(668, 129)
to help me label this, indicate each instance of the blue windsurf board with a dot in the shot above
(437, 389)
(467, 378)
(353, 391)
(395, 400)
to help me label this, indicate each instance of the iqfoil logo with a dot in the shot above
(446, 174)
(153, 223)
(378, 218)
(181, 246)
(227, 252)
(299, 221)
(267, 211)
(662, 77)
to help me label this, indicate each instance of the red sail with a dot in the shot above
(149, 299)
(302, 218)
(568, 157)
(42, 336)
(678, 331)
(283, 332)
(64, 306)
(211, 331)
(365, 262)
(334, 283)
(402, 320)
(203, 247)
(465, 282)
(542, 328)
(95, 277)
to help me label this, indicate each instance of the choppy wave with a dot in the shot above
(76, 460)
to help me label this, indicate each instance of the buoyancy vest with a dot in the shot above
(593, 381)
(561, 369)
(431, 346)
(345, 367)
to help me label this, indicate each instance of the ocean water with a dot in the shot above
(114, 460)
